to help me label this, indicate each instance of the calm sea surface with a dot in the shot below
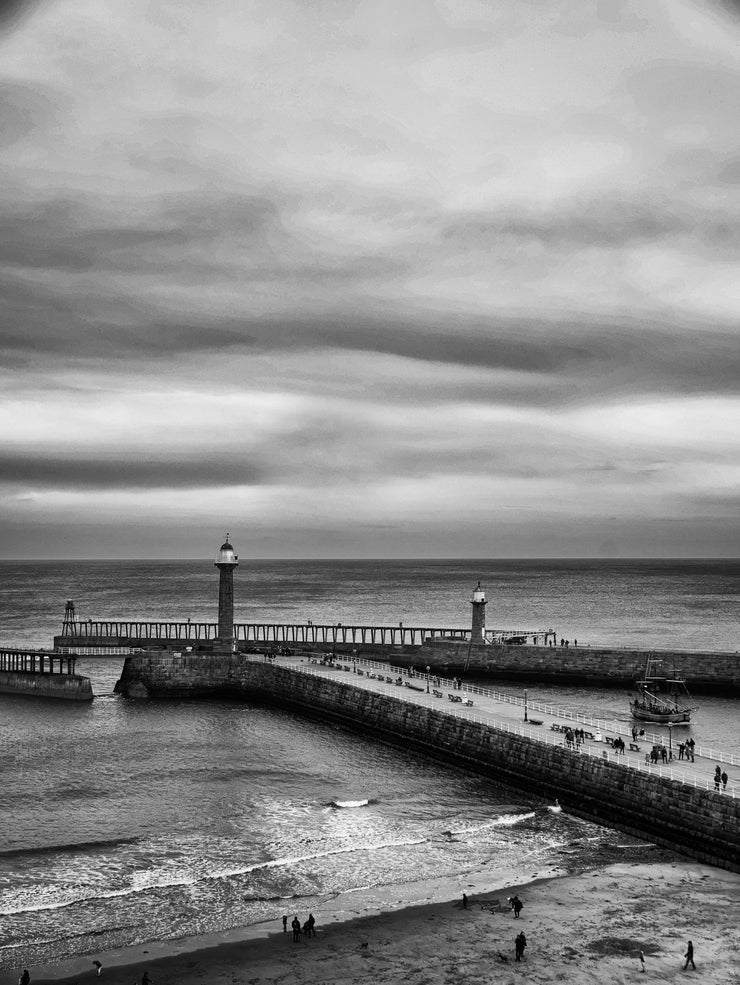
(124, 822)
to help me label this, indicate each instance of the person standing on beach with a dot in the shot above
(25, 978)
(145, 979)
(310, 924)
(465, 902)
(517, 905)
(285, 924)
(519, 944)
(296, 925)
(642, 961)
(689, 956)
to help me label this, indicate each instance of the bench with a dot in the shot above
(589, 735)
(556, 728)
(634, 747)
(454, 697)
(437, 694)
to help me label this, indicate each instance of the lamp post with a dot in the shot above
(670, 741)
(428, 669)
(525, 704)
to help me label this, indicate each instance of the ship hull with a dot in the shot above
(681, 717)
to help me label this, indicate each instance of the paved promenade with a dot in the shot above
(490, 707)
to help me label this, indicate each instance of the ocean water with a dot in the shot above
(125, 822)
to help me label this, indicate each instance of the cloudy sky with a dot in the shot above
(369, 278)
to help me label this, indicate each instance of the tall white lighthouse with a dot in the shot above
(479, 615)
(226, 562)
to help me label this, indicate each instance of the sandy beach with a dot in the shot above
(582, 926)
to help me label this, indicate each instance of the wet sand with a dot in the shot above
(585, 925)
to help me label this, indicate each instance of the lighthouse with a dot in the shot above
(479, 615)
(226, 562)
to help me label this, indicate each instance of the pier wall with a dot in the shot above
(705, 672)
(69, 687)
(701, 824)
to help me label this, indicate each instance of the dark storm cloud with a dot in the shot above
(12, 11)
(70, 234)
(126, 472)
(565, 359)
(595, 223)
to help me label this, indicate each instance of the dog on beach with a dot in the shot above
(502, 958)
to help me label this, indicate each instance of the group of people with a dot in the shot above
(307, 928)
(658, 753)
(720, 776)
(686, 750)
(574, 737)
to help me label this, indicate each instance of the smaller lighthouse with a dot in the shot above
(479, 615)
(226, 562)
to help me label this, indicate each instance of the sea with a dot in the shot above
(125, 822)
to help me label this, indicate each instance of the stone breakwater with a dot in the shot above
(69, 687)
(698, 823)
(705, 672)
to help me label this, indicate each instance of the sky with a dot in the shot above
(361, 278)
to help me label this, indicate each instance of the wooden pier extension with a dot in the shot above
(42, 674)
(118, 632)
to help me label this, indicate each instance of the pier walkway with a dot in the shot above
(101, 632)
(545, 723)
(15, 660)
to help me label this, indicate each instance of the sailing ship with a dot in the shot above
(660, 699)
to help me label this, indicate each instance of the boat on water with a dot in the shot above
(660, 699)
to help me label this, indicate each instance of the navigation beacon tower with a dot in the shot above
(226, 562)
(479, 615)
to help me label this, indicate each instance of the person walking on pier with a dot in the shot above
(689, 957)
(717, 778)
(725, 778)
(690, 749)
